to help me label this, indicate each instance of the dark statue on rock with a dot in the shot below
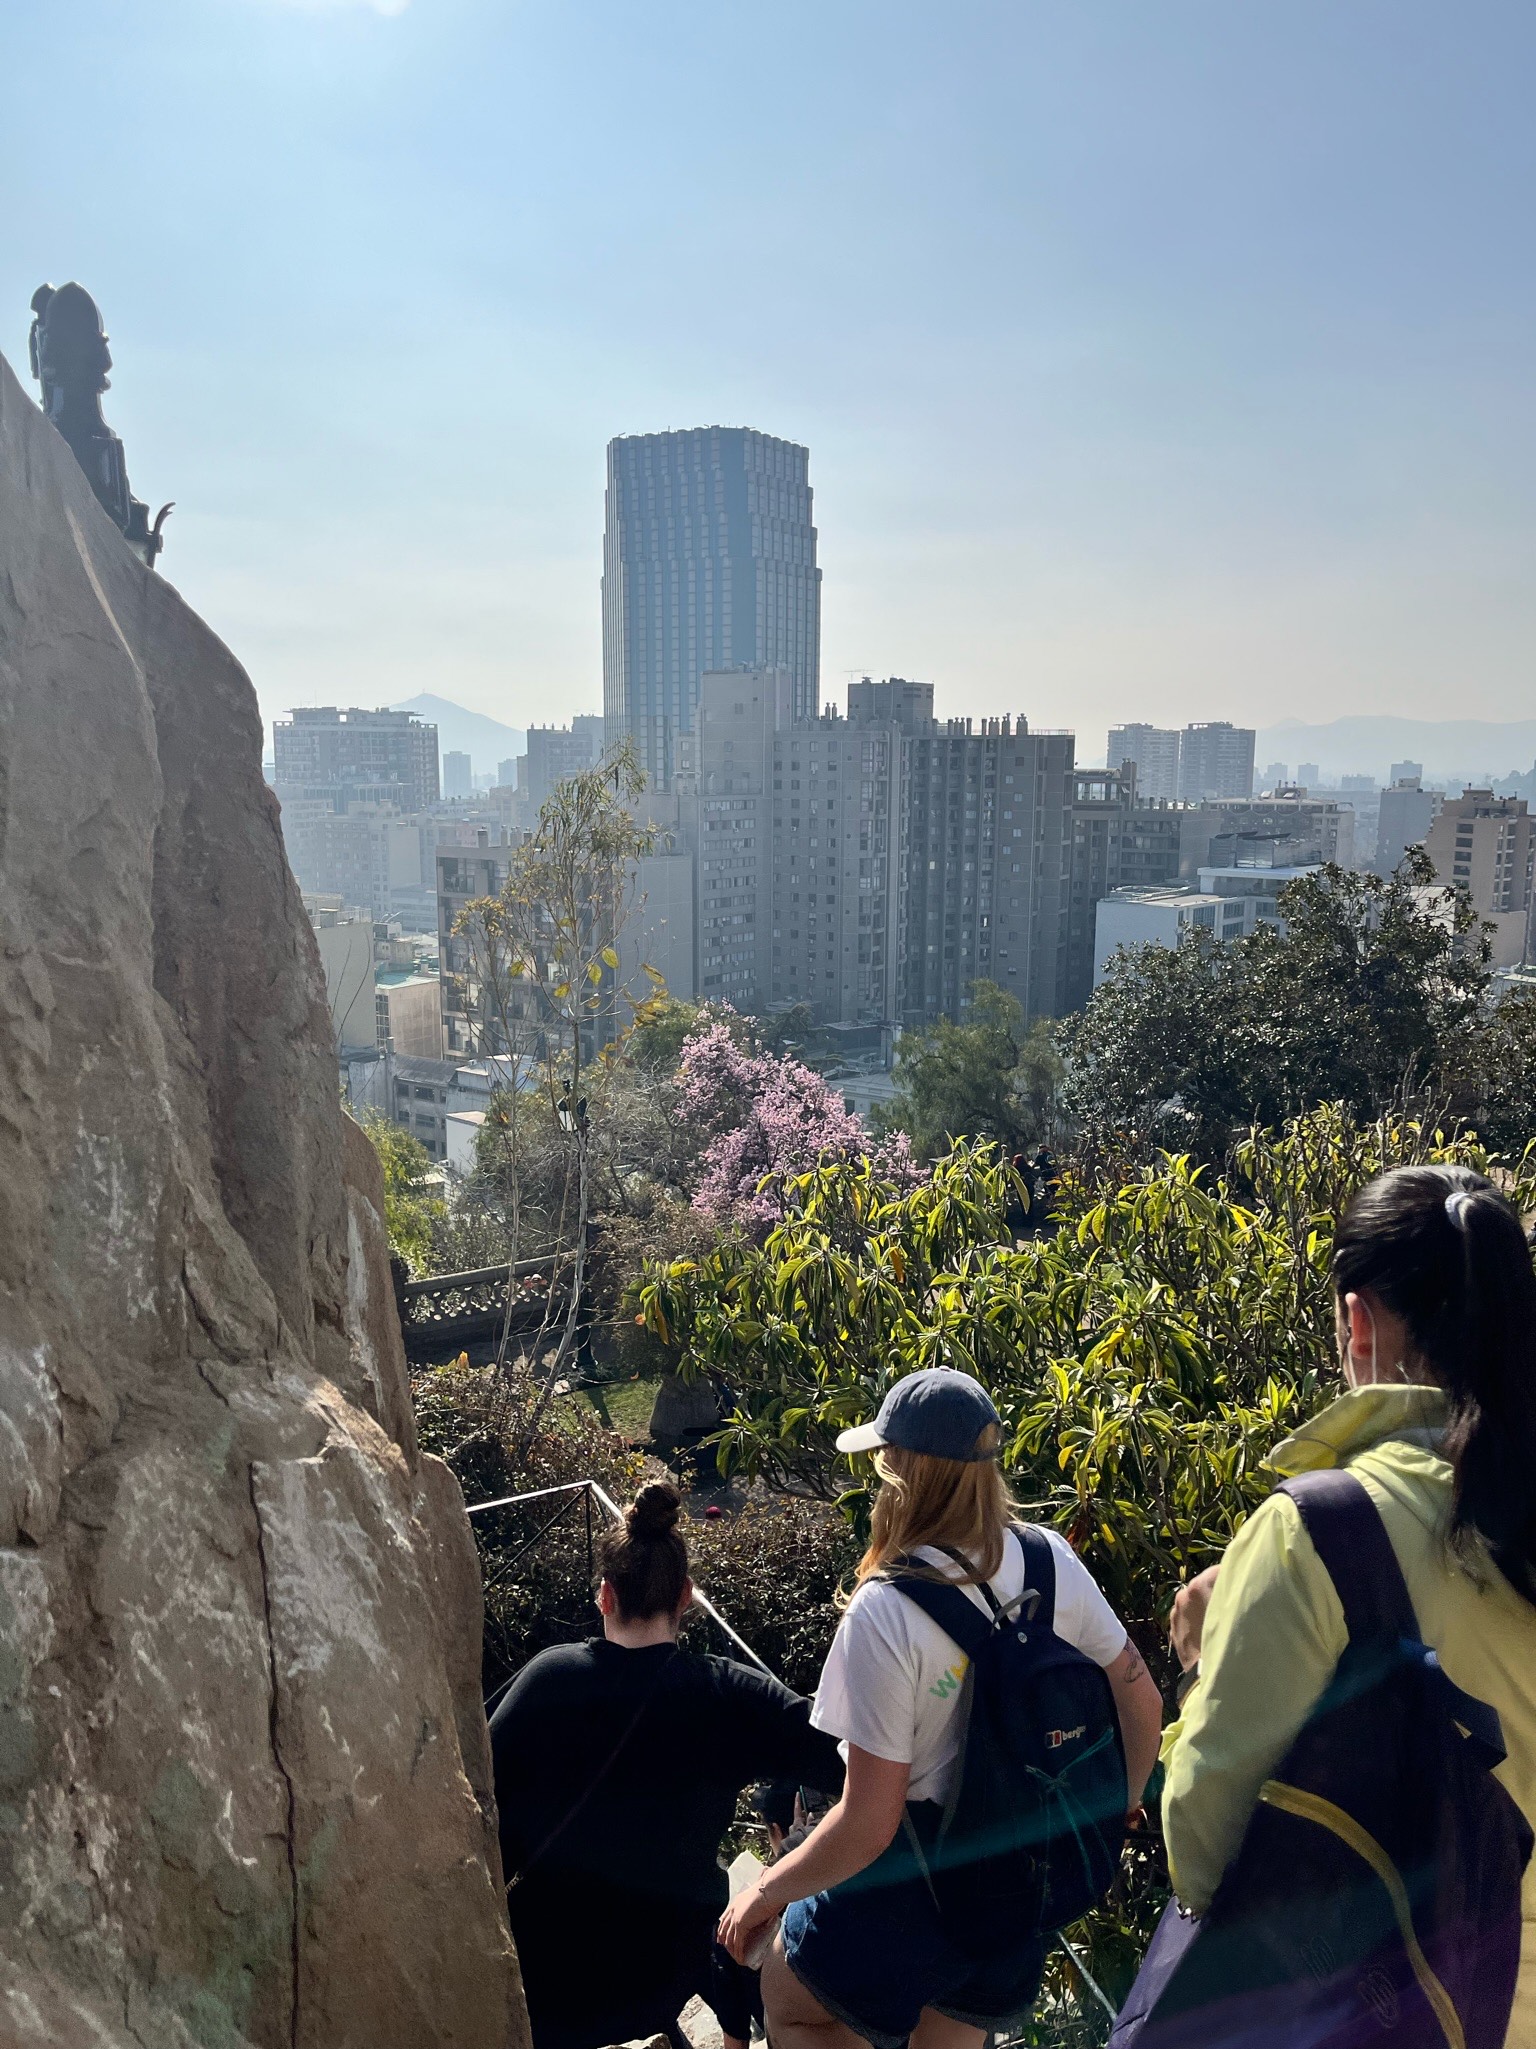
(70, 359)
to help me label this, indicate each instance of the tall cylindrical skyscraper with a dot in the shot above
(709, 562)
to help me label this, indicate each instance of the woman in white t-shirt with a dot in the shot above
(862, 1955)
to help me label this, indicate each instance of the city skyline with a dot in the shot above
(1168, 368)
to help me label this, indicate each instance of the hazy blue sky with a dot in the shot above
(1164, 358)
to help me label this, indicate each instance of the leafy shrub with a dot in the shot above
(1145, 1361)
(412, 1214)
(533, 1557)
(773, 1569)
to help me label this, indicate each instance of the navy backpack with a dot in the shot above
(1031, 1834)
(1374, 1902)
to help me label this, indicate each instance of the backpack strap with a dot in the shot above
(1350, 1538)
(959, 1617)
(1039, 1572)
(1348, 1535)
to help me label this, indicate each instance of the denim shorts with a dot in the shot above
(874, 1953)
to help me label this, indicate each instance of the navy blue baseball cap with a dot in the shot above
(937, 1411)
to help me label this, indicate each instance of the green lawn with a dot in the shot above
(629, 1405)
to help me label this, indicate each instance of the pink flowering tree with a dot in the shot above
(763, 1119)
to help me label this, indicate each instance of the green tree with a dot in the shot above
(412, 1214)
(656, 1042)
(547, 991)
(782, 1031)
(1372, 992)
(983, 1078)
(1507, 1073)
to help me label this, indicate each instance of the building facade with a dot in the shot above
(874, 866)
(797, 834)
(368, 855)
(709, 564)
(356, 756)
(1150, 917)
(1152, 751)
(410, 1012)
(555, 753)
(1485, 845)
(987, 829)
(1290, 828)
(463, 875)
(1215, 762)
(1120, 840)
(1405, 816)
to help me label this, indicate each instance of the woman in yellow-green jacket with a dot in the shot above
(1436, 1315)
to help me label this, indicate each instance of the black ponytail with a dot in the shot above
(1441, 1248)
(646, 1562)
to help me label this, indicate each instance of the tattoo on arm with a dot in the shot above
(1134, 1670)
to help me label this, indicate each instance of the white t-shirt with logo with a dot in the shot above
(891, 1683)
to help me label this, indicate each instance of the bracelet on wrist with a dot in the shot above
(1186, 1683)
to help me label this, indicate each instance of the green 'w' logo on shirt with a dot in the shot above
(943, 1688)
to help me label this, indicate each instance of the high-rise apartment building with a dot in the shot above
(458, 776)
(1153, 751)
(1487, 846)
(464, 874)
(873, 867)
(1407, 812)
(739, 713)
(709, 564)
(798, 851)
(1215, 762)
(1120, 840)
(356, 756)
(555, 753)
(988, 823)
(368, 855)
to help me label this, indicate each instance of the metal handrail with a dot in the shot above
(700, 1598)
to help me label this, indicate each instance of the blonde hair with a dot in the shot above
(961, 1504)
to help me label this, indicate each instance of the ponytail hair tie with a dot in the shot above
(1457, 1203)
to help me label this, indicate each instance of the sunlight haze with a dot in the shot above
(1157, 362)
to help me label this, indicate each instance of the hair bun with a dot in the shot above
(654, 1510)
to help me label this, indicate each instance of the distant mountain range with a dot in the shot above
(1452, 750)
(487, 742)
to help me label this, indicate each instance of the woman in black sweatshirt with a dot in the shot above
(618, 1765)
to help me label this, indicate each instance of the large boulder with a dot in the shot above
(244, 1775)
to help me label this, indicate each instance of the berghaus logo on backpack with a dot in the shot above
(1032, 1831)
(1056, 1738)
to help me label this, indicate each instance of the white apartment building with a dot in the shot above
(1151, 917)
(1153, 751)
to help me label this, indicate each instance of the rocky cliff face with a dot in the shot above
(244, 1782)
